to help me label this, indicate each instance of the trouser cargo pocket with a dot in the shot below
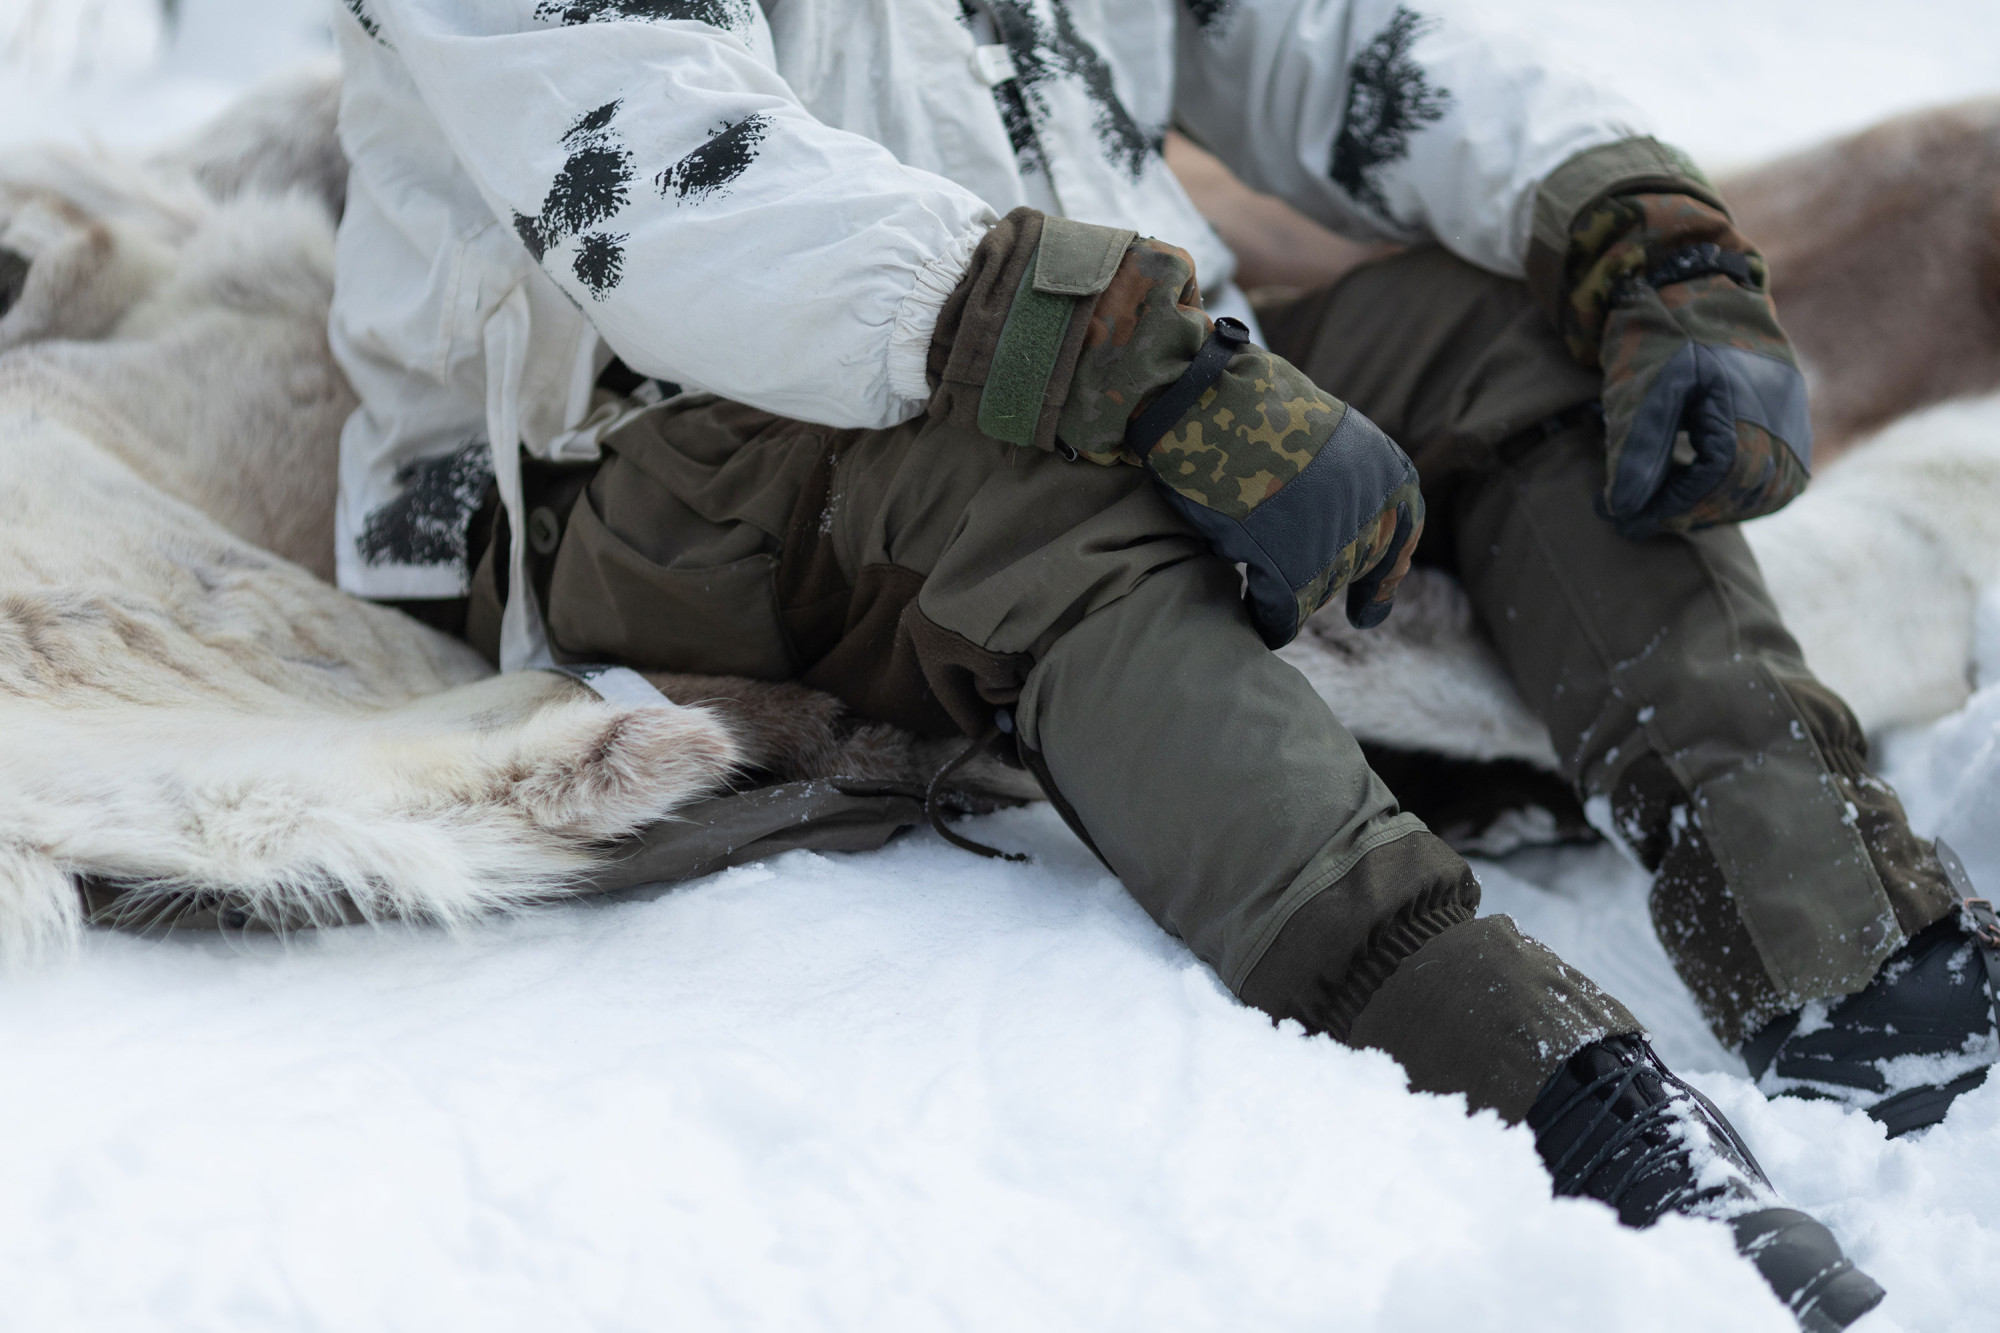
(609, 602)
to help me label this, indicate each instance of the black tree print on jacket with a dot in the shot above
(426, 523)
(591, 189)
(1389, 98)
(595, 184)
(1043, 41)
(729, 15)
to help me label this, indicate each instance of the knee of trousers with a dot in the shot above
(1203, 769)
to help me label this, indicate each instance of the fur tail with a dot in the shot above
(484, 797)
(40, 914)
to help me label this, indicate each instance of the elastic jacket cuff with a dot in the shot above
(917, 317)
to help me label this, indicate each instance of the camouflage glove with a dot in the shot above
(1093, 342)
(1704, 406)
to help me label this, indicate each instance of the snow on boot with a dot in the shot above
(1902, 1050)
(1614, 1124)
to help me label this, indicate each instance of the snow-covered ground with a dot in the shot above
(914, 1090)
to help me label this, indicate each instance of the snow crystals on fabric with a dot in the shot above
(1388, 99)
(729, 15)
(709, 169)
(592, 187)
(426, 523)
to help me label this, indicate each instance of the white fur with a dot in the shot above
(1423, 680)
(1876, 569)
(182, 709)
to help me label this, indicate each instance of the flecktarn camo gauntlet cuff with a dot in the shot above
(1095, 344)
(1705, 408)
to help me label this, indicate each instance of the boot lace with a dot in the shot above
(1658, 1124)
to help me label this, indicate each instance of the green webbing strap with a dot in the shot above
(1030, 341)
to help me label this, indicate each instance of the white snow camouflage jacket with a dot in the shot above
(770, 199)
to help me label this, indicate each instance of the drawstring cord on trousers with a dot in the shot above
(934, 812)
(1003, 724)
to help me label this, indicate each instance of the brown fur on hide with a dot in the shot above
(1885, 264)
(789, 733)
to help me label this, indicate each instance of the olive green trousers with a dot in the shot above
(1683, 712)
(935, 578)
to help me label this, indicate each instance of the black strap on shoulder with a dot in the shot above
(1144, 431)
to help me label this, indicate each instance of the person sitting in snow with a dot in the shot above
(969, 428)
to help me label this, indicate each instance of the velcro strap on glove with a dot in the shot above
(1303, 491)
(1007, 340)
(1280, 476)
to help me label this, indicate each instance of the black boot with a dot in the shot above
(1615, 1125)
(1906, 1047)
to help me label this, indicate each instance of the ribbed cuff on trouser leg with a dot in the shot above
(1338, 946)
(1484, 1010)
